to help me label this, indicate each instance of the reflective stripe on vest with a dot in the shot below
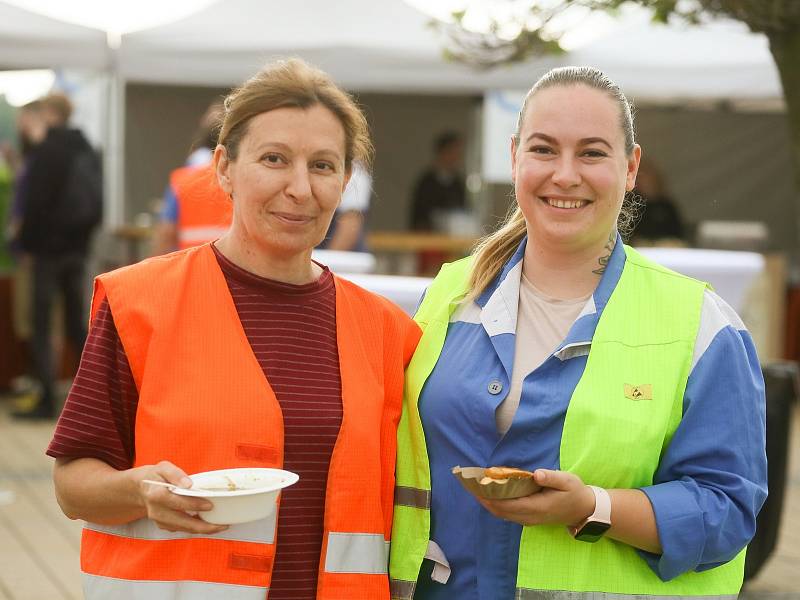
(415, 498)
(95, 586)
(194, 236)
(402, 590)
(262, 531)
(356, 553)
(562, 595)
(653, 337)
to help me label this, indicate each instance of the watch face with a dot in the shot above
(592, 531)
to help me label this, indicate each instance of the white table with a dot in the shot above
(403, 291)
(342, 262)
(731, 273)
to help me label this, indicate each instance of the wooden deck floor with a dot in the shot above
(39, 545)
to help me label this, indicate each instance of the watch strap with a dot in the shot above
(602, 505)
(602, 509)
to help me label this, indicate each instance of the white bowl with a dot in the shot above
(238, 495)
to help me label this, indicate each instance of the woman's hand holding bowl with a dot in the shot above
(564, 499)
(169, 511)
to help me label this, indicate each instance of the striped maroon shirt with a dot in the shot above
(292, 331)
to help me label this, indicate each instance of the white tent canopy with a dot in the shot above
(29, 40)
(389, 46)
(717, 60)
(363, 44)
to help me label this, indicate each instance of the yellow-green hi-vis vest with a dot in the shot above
(645, 336)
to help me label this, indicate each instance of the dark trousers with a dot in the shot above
(54, 275)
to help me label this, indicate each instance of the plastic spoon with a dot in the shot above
(170, 486)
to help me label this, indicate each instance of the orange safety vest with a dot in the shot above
(204, 210)
(204, 404)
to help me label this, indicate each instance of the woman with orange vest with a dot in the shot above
(204, 211)
(195, 209)
(243, 352)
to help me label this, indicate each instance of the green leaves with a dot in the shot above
(514, 39)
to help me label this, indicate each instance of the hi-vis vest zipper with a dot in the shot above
(622, 415)
(204, 404)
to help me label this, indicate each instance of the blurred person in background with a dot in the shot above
(31, 130)
(61, 204)
(243, 352)
(440, 188)
(439, 193)
(347, 230)
(194, 210)
(660, 221)
(6, 194)
(6, 260)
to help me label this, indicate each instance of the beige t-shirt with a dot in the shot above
(542, 324)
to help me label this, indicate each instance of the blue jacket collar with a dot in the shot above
(516, 259)
(499, 301)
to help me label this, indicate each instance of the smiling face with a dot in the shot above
(286, 181)
(570, 168)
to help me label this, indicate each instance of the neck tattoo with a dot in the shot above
(609, 248)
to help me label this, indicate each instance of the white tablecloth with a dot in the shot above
(345, 262)
(731, 273)
(403, 291)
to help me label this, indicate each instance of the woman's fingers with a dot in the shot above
(564, 499)
(172, 520)
(171, 511)
(558, 480)
(526, 511)
(172, 474)
(162, 497)
(175, 513)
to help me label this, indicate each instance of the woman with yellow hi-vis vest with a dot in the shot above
(243, 352)
(631, 392)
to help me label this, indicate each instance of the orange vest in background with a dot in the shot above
(204, 210)
(205, 404)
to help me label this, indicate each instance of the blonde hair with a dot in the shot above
(58, 104)
(494, 250)
(293, 83)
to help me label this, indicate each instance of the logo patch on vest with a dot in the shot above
(638, 392)
(266, 454)
(248, 562)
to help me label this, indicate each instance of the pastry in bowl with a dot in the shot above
(499, 474)
(497, 483)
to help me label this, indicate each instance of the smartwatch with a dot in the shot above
(595, 525)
